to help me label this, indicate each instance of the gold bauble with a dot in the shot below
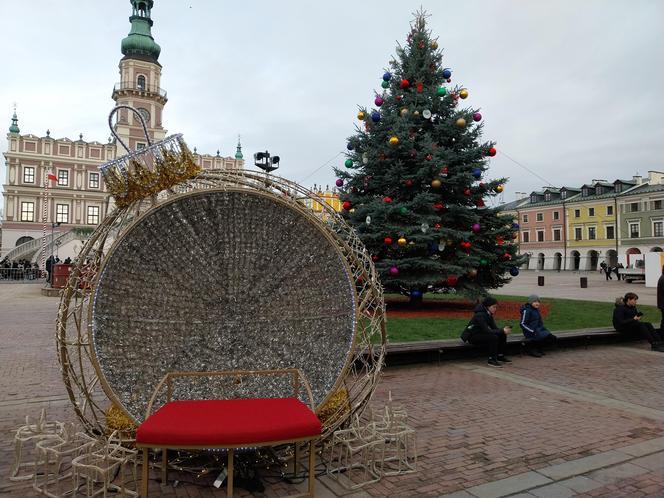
(416, 114)
(463, 93)
(461, 123)
(360, 116)
(394, 141)
(436, 183)
(404, 112)
(499, 188)
(434, 45)
(402, 241)
(472, 273)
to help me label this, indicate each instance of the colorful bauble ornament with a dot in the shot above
(403, 210)
(404, 84)
(346, 205)
(374, 258)
(476, 227)
(403, 112)
(439, 206)
(434, 45)
(452, 280)
(416, 114)
(398, 98)
(483, 262)
(387, 241)
(375, 116)
(350, 146)
(387, 76)
(438, 226)
(463, 93)
(402, 241)
(416, 293)
(379, 101)
(409, 183)
(507, 256)
(477, 173)
(436, 183)
(428, 157)
(492, 151)
(499, 188)
(394, 271)
(426, 113)
(381, 156)
(387, 199)
(444, 171)
(339, 182)
(515, 226)
(413, 153)
(385, 84)
(467, 192)
(368, 220)
(477, 116)
(472, 273)
(441, 91)
(424, 227)
(394, 141)
(419, 86)
(360, 116)
(461, 123)
(465, 244)
(447, 73)
(514, 271)
(348, 163)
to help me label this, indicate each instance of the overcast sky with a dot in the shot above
(571, 90)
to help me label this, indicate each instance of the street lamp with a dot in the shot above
(266, 162)
(53, 225)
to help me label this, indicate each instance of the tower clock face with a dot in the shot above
(146, 115)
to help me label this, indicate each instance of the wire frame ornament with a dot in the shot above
(357, 382)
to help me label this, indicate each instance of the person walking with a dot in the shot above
(533, 328)
(483, 331)
(606, 269)
(660, 300)
(628, 320)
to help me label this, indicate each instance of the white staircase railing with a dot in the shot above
(58, 241)
(27, 249)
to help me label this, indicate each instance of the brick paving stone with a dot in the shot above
(554, 490)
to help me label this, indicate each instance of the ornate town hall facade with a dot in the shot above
(77, 197)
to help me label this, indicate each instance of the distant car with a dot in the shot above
(631, 274)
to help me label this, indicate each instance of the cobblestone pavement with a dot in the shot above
(578, 422)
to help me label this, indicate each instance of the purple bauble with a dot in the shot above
(476, 227)
(379, 101)
(340, 182)
(394, 270)
(477, 116)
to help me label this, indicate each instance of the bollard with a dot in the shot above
(540, 280)
(584, 282)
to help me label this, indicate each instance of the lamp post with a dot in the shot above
(266, 162)
(53, 225)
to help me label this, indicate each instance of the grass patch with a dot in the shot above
(564, 314)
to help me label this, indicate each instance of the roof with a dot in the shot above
(508, 206)
(645, 188)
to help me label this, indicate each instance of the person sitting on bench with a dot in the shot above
(627, 320)
(533, 327)
(482, 330)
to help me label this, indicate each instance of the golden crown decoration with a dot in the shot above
(146, 172)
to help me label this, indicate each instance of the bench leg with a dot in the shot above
(144, 474)
(164, 466)
(312, 466)
(229, 477)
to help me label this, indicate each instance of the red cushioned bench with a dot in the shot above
(228, 423)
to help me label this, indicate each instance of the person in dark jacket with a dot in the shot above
(627, 320)
(483, 331)
(660, 300)
(533, 327)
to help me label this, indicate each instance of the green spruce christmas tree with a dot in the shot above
(414, 184)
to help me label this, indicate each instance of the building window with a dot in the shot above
(556, 215)
(525, 218)
(533, 199)
(140, 82)
(93, 181)
(609, 210)
(592, 233)
(540, 235)
(618, 188)
(599, 190)
(63, 177)
(591, 211)
(610, 233)
(577, 213)
(525, 236)
(93, 215)
(140, 146)
(577, 233)
(28, 174)
(62, 213)
(539, 217)
(27, 211)
(145, 114)
(634, 230)
(657, 204)
(563, 194)
(547, 196)
(634, 207)
(556, 234)
(657, 228)
(584, 192)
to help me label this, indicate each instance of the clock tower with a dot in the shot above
(140, 76)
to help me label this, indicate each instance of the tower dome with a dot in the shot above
(139, 42)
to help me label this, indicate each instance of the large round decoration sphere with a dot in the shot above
(434, 46)
(447, 73)
(339, 182)
(477, 173)
(416, 293)
(346, 205)
(477, 117)
(404, 84)
(441, 91)
(350, 146)
(403, 112)
(476, 227)
(379, 101)
(402, 241)
(385, 84)
(175, 317)
(360, 116)
(472, 273)
(499, 188)
(461, 123)
(436, 183)
(375, 116)
(514, 271)
(394, 141)
(426, 114)
(452, 280)
(394, 271)
(387, 241)
(403, 210)
(515, 226)
(387, 76)
(348, 163)
(492, 151)
(387, 199)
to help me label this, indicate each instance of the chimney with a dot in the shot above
(655, 177)
(520, 195)
(638, 179)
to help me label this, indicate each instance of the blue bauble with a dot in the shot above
(375, 116)
(387, 76)
(350, 146)
(447, 73)
(514, 271)
(477, 173)
(416, 293)
(515, 226)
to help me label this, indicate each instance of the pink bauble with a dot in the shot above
(394, 270)
(340, 182)
(476, 227)
(477, 116)
(379, 101)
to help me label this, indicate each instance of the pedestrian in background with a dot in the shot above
(660, 300)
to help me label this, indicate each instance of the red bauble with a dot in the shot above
(444, 171)
(409, 183)
(449, 80)
(413, 153)
(438, 226)
(354, 189)
(374, 258)
(500, 241)
(387, 241)
(452, 280)
(507, 256)
(387, 199)
(419, 86)
(398, 98)
(439, 206)
(366, 126)
(420, 45)
(381, 157)
(428, 157)
(467, 192)
(346, 205)
(405, 84)
(492, 151)
(480, 203)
